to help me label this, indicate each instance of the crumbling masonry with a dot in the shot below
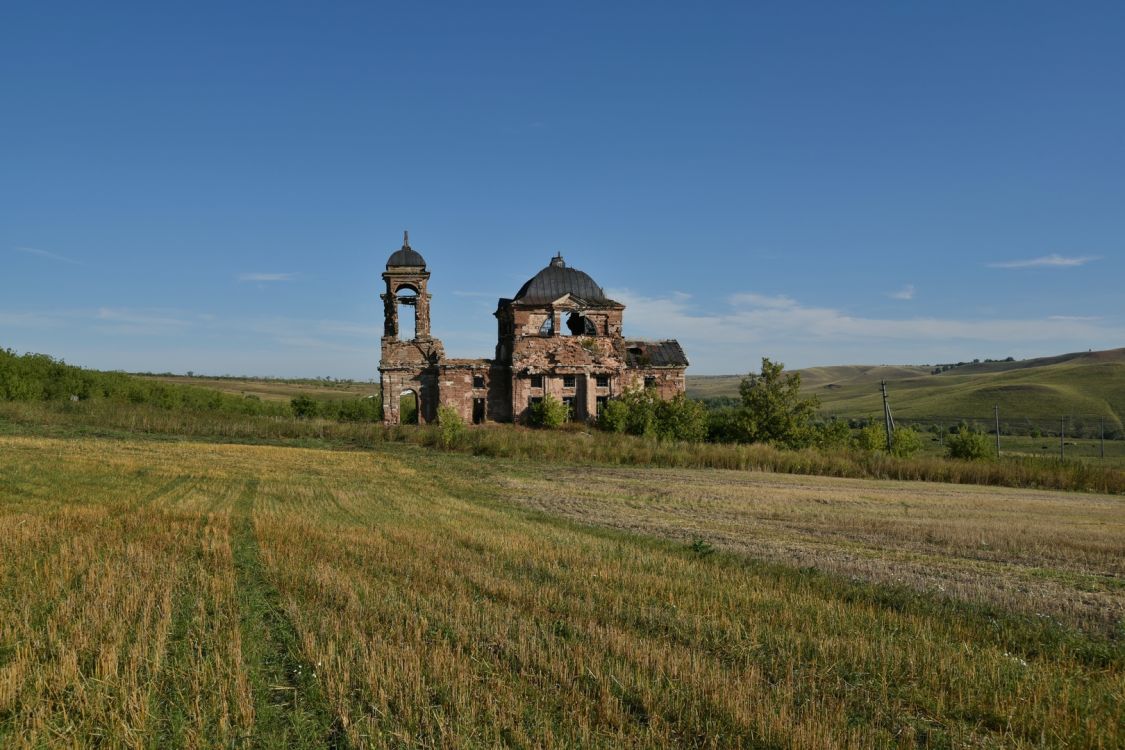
(559, 335)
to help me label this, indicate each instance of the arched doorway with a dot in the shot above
(408, 407)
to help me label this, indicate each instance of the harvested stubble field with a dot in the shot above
(184, 594)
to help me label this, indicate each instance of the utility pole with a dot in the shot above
(1062, 434)
(888, 423)
(996, 408)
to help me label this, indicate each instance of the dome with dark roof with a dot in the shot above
(556, 280)
(406, 255)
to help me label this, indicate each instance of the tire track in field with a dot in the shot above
(290, 707)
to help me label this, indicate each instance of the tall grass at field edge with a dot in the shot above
(564, 446)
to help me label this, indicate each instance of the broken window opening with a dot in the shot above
(568, 381)
(536, 381)
(478, 381)
(548, 327)
(568, 402)
(602, 381)
(650, 381)
(478, 410)
(601, 401)
(578, 324)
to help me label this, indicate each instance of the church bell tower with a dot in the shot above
(410, 355)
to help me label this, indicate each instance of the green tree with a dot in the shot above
(969, 444)
(906, 443)
(681, 418)
(640, 411)
(451, 428)
(871, 438)
(640, 406)
(614, 416)
(773, 410)
(549, 412)
(303, 406)
(833, 434)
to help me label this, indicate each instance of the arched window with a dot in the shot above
(407, 300)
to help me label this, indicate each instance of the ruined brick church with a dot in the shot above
(559, 335)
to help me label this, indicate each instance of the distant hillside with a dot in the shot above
(275, 389)
(1090, 384)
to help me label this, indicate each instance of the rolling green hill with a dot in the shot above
(275, 389)
(1086, 384)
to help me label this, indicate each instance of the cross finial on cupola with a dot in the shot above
(405, 238)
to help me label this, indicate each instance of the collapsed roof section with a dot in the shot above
(666, 353)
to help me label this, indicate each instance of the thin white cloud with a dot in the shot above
(138, 322)
(751, 299)
(31, 320)
(727, 340)
(1047, 261)
(907, 292)
(1074, 317)
(266, 276)
(130, 316)
(48, 255)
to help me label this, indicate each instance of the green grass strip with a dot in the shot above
(290, 708)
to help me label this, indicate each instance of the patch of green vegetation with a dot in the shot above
(557, 446)
(290, 708)
(38, 378)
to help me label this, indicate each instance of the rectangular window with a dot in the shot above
(536, 381)
(568, 402)
(602, 381)
(568, 381)
(602, 401)
(478, 381)
(650, 381)
(534, 400)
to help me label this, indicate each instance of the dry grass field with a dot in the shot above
(1054, 554)
(166, 593)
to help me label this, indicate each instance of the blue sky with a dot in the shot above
(216, 186)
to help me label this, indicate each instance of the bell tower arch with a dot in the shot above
(410, 356)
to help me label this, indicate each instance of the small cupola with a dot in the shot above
(406, 256)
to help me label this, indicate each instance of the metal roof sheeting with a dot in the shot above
(666, 353)
(556, 280)
(406, 256)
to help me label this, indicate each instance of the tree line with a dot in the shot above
(39, 377)
(770, 408)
